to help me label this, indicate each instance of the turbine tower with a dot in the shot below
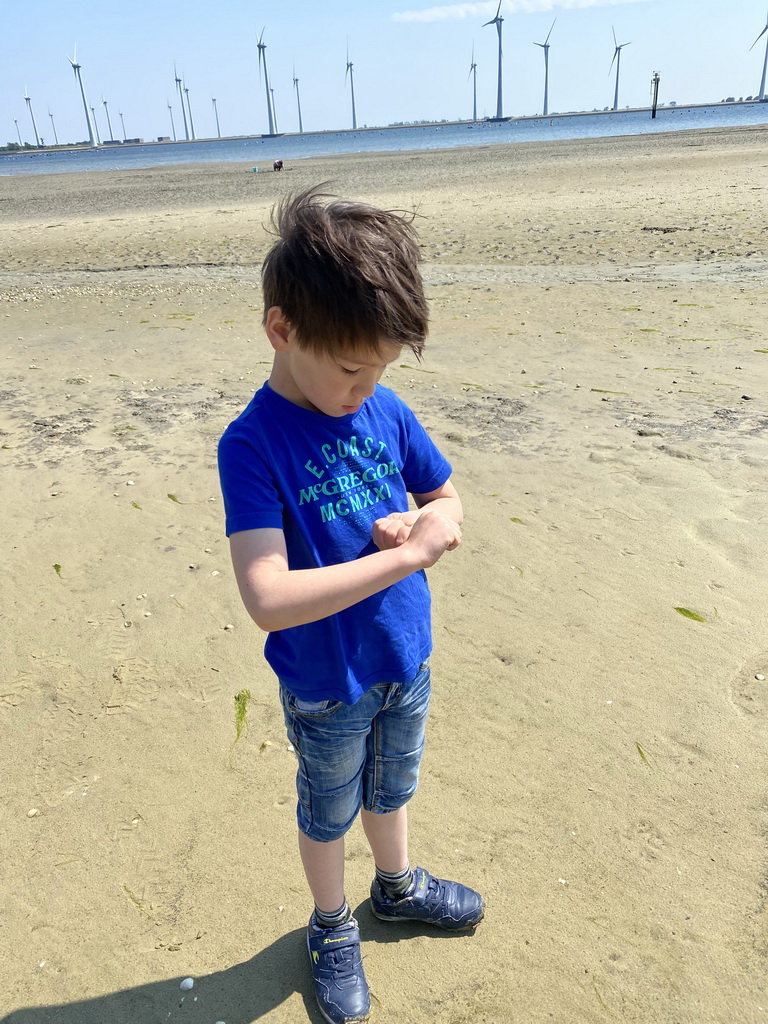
(79, 79)
(473, 71)
(262, 46)
(173, 126)
(177, 80)
(18, 132)
(122, 122)
(617, 58)
(298, 98)
(545, 47)
(96, 126)
(216, 115)
(32, 115)
(109, 123)
(53, 125)
(189, 111)
(497, 22)
(761, 94)
(351, 74)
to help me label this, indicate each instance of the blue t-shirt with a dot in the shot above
(323, 480)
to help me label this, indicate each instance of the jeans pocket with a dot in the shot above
(312, 708)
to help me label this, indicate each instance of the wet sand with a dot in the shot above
(597, 373)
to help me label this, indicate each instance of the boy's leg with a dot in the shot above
(395, 745)
(324, 868)
(387, 836)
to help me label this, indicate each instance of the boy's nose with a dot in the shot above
(365, 388)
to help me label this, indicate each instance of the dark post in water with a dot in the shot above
(654, 92)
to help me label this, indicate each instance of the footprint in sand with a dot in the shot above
(749, 687)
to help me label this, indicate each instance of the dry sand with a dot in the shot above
(596, 763)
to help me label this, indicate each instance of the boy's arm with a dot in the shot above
(277, 597)
(395, 529)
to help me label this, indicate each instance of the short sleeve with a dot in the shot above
(251, 498)
(425, 468)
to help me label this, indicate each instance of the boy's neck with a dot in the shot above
(282, 383)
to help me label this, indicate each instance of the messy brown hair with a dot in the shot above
(345, 274)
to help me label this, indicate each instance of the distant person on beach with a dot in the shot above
(316, 473)
(277, 165)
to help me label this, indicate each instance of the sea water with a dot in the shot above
(260, 151)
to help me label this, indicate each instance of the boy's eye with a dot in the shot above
(350, 372)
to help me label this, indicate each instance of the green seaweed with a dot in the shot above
(690, 615)
(242, 700)
(135, 504)
(514, 519)
(174, 498)
(641, 752)
(419, 369)
(57, 569)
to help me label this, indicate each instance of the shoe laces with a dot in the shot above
(339, 962)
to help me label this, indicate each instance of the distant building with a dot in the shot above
(163, 138)
(134, 141)
(111, 142)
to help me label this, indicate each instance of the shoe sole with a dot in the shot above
(416, 920)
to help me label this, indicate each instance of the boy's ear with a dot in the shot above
(278, 329)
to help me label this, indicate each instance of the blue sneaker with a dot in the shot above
(448, 905)
(337, 969)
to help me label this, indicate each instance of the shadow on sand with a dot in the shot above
(238, 995)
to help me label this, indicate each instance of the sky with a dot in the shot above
(411, 60)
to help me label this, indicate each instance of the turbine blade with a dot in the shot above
(497, 10)
(759, 38)
(610, 69)
(549, 33)
(615, 40)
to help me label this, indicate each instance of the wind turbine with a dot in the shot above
(216, 115)
(18, 131)
(189, 109)
(96, 126)
(761, 95)
(298, 98)
(53, 125)
(545, 47)
(497, 22)
(473, 71)
(32, 115)
(351, 74)
(617, 58)
(177, 80)
(109, 123)
(274, 109)
(76, 68)
(262, 46)
(122, 122)
(173, 126)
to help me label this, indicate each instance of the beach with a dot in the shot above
(597, 374)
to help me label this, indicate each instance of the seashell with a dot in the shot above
(187, 984)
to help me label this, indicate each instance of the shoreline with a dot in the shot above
(115, 144)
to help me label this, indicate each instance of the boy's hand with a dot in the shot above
(431, 535)
(394, 530)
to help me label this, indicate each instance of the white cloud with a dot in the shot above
(487, 10)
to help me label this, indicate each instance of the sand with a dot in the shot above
(596, 761)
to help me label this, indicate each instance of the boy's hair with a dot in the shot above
(345, 274)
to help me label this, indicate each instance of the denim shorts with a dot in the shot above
(361, 755)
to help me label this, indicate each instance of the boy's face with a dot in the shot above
(335, 385)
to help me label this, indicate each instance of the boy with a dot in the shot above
(315, 474)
